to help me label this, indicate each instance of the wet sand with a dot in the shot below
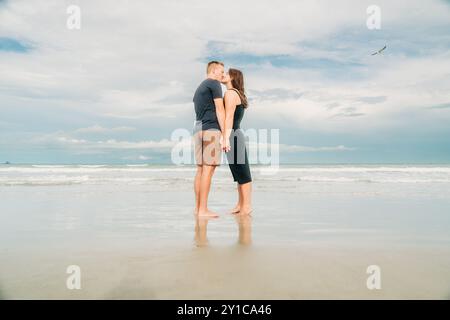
(305, 240)
(235, 272)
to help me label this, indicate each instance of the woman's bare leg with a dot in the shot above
(246, 204)
(237, 208)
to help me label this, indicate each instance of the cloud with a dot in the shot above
(275, 94)
(150, 66)
(440, 106)
(137, 158)
(71, 141)
(64, 140)
(99, 129)
(373, 100)
(297, 148)
(307, 66)
(163, 144)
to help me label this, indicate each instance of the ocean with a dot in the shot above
(147, 174)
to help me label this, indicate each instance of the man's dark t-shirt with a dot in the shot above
(205, 109)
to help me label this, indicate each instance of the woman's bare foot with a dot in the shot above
(236, 209)
(246, 210)
(207, 213)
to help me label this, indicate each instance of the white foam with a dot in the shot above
(46, 180)
(172, 175)
(368, 169)
(65, 169)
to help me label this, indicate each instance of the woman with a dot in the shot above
(234, 139)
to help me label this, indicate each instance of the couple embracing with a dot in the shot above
(217, 130)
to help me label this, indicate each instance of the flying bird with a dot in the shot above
(379, 51)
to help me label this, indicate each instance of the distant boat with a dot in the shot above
(379, 51)
(7, 162)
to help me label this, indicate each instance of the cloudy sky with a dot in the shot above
(115, 90)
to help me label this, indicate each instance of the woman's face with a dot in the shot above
(226, 78)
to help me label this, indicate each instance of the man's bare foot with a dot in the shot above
(208, 214)
(236, 209)
(196, 211)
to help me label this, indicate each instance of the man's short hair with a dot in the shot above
(212, 64)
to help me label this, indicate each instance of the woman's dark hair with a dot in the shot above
(237, 81)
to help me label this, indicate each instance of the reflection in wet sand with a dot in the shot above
(244, 227)
(244, 223)
(237, 269)
(201, 235)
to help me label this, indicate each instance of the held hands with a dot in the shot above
(225, 143)
(227, 146)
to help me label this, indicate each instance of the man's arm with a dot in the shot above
(216, 91)
(220, 112)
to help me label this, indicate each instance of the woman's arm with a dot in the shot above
(230, 107)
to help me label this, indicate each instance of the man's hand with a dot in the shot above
(221, 142)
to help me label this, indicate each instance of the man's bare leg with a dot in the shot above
(205, 184)
(197, 180)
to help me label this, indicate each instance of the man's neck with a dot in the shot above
(210, 76)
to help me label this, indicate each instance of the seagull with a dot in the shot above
(379, 51)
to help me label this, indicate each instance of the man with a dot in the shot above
(210, 118)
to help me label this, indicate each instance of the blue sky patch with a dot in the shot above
(13, 45)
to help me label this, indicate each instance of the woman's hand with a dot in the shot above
(226, 145)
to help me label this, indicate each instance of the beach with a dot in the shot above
(314, 231)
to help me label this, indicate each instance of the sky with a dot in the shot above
(115, 90)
